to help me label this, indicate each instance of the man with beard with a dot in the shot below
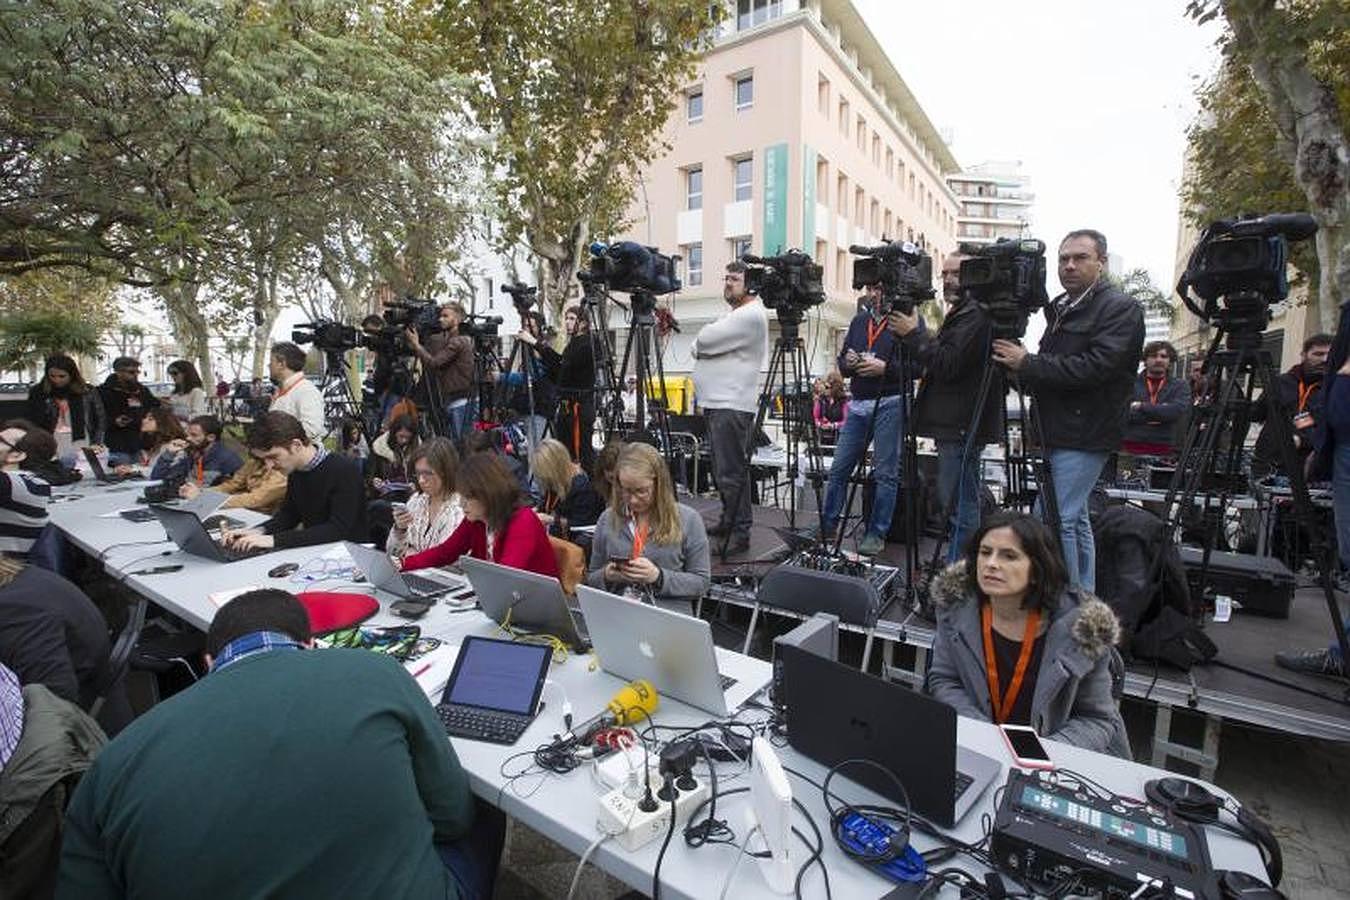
(201, 458)
(1158, 403)
(728, 356)
(1299, 392)
(448, 369)
(125, 403)
(573, 371)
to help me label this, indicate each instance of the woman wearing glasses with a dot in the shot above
(647, 545)
(188, 400)
(433, 511)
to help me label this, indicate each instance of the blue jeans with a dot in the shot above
(886, 456)
(459, 420)
(1074, 473)
(473, 859)
(952, 469)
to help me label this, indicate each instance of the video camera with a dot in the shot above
(1007, 279)
(481, 327)
(523, 296)
(1242, 261)
(903, 269)
(422, 315)
(326, 335)
(630, 268)
(788, 283)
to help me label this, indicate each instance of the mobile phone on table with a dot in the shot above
(1026, 748)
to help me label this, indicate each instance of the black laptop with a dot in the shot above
(101, 474)
(188, 532)
(835, 712)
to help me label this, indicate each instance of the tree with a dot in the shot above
(1138, 284)
(574, 95)
(67, 291)
(1277, 134)
(28, 337)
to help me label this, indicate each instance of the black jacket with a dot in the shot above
(1082, 376)
(86, 412)
(954, 362)
(134, 404)
(1157, 423)
(1266, 452)
(573, 370)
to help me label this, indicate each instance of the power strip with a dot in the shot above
(619, 815)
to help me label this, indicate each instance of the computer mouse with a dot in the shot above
(282, 570)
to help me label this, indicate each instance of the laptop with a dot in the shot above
(835, 713)
(674, 651)
(493, 692)
(202, 506)
(381, 572)
(520, 599)
(188, 532)
(102, 475)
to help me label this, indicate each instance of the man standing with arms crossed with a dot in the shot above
(729, 354)
(1081, 381)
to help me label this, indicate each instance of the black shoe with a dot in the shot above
(738, 544)
(718, 530)
(1311, 662)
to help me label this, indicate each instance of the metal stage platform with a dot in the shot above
(1215, 693)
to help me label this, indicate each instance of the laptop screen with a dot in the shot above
(498, 675)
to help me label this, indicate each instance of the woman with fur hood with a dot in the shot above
(1010, 628)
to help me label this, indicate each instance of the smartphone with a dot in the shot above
(1026, 748)
(619, 561)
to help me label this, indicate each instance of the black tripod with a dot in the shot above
(522, 354)
(340, 403)
(1207, 467)
(608, 384)
(790, 370)
(645, 355)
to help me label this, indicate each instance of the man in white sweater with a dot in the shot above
(296, 394)
(728, 356)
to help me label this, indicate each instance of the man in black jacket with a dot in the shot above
(954, 361)
(125, 403)
(573, 371)
(1299, 392)
(1158, 404)
(1080, 380)
(325, 498)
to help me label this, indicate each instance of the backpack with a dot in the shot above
(1156, 623)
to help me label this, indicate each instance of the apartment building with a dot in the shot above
(797, 132)
(995, 202)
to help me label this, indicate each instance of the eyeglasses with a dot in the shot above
(423, 473)
(644, 491)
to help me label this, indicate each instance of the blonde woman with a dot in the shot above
(647, 544)
(566, 496)
(434, 510)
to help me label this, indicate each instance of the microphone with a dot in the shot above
(634, 701)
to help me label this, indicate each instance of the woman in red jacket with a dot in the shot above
(498, 525)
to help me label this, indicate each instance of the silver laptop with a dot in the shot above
(520, 599)
(674, 651)
(381, 572)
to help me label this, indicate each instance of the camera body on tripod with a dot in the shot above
(630, 268)
(903, 269)
(786, 282)
(1242, 261)
(1007, 280)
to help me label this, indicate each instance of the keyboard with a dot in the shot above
(492, 725)
(232, 555)
(963, 782)
(426, 587)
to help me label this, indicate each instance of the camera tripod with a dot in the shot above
(789, 369)
(644, 353)
(1205, 462)
(524, 354)
(608, 387)
(340, 403)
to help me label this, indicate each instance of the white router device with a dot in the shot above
(771, 801)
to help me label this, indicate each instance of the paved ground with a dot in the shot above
(1300, 786)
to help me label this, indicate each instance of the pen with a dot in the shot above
(421, 670)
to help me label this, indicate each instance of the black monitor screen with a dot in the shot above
(497, 675)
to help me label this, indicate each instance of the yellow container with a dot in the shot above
(679, 392)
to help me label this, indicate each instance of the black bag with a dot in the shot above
(1128, 541)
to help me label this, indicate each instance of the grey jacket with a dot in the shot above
(686, 570)
(1074, 701)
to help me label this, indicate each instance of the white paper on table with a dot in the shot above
(116, 513)
(435, 669)
(220, 598)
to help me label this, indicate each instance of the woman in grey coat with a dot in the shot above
(1007, 609)
(646, 544)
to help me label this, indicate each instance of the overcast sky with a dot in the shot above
(1093, 97)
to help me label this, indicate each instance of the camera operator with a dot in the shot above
(382, 381)
(447, 360)
(1081, 380)
(728, 356)
(573, 371)
(953, 363)
(869, 356)
(1299, 391)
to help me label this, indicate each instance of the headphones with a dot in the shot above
(1193, 802)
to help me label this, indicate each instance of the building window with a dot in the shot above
(740, 246)
(742, 171)
(750, 13)
(890, 163)
(822, 181)
(745, 92)
(843, 116)
(693, 187)
(823, 96)
(693, 273)
(859, 209)
(862, 134)
(841, 193)
(693, 105)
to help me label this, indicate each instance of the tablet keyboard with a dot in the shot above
(426, 587)
(963, 782)
(478, 724)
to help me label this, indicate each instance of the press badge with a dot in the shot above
(1303, 420)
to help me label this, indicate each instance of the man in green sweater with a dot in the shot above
(324, 500)
(286, 772)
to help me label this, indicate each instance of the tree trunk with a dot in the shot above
(1312, 138)
(187, 321)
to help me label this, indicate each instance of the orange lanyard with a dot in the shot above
(1304, 392)
(287, 389)
(1153, 394)
(576, 429)
(201, 470)
(639, 539)
(1003, 703)
(873, 334)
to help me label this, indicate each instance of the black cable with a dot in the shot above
(103, 554)
(696, 835)
(817, 853)
(670, 830)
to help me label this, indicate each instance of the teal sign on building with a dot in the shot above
(808, 200)
(774, 232)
